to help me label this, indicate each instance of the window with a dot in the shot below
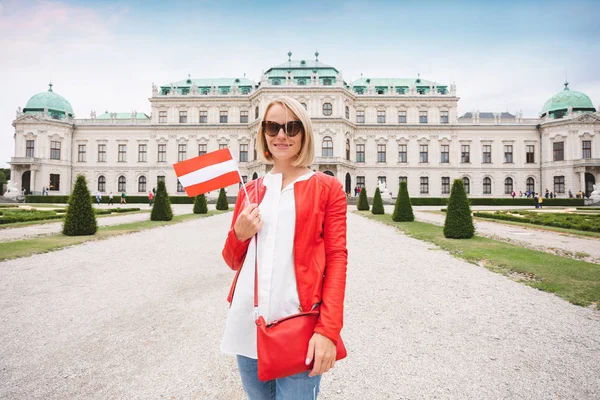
(54, 182)
(559, 184)
(402, 153)
(162, 153)
(183, 117)
(201, 149)
(101, 153)
(122, 153)
(381, 116)
(508, 186)
(586, 149)
(301, 82)
(243, 152)
(256, 112)
(160, 178)
(423, 153)
(401, 117)
(327, 81)
(530, 154)
(244, 117)
(422, 117)
(467, 185)
(122, 186)
(142, 184)
(223, 117)
(162, 117)
(381, 153)
(81, 150)
(142, 152)
(360, 117)
(559, 151)
(347, 112)
(360, 182)
(487, 186)
(327, 147)
(222, 146)
(203, 117)
(382, 179)
(327, 109)
(55, 150)
(487, 154)
(530, 185)
(402, 179)
(29, 148)
(445, 185)
(102, 183)
(508, 154)
(348, 149)
(445, 154)
(304, 105)
(360, 153)
(180, 187)
(424, 187)
(465, 151)
(181, 152)
(444, 117)
(244, 179)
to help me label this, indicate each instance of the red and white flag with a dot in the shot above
(207, 172)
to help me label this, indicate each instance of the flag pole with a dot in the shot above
(240, 175)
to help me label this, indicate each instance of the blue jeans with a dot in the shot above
(295, 387)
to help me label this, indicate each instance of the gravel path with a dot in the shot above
(140, 316)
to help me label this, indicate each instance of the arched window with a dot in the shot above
(347, 112)
(122, 184)
(256, 113)
(102, 183)
(348, 149)
(327, 147)
(327, 109)
(142, 184)
(304, 105)
(508, 186)
(487, 186)
(180, 187)
(530, 184)
(467, 185)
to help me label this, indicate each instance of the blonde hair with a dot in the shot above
(307, 148)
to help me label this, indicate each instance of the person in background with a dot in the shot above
(150, 197)
(110, 199)
(123, 198)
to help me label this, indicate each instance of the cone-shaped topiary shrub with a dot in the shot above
(161, 210)
(200, 206)
(459, 222)
(222, 203)
(80, 219)
(403, 209)
(363, 201)
(377, 203)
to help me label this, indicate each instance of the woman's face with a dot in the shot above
(281, 146)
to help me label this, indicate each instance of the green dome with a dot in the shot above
(561, 101)
(57, 105)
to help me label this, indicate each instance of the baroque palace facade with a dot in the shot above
(366, 131)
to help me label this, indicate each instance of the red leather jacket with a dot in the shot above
(320, 254)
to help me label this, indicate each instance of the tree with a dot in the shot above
(222, 203)
(161, 210)
(2, 181)
(459, 222)
(363, 201)
(403, 211)
(80, 219)
(200, 206)
(377, 203)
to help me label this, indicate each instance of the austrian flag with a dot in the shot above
(207, 172)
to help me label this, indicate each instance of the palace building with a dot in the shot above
(367, 131)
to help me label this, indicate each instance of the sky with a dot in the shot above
(105, 55)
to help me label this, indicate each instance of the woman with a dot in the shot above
(300, 218)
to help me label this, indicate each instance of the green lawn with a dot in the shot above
(573, 280)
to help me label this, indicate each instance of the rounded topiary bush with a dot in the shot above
(403, 211)
(222, 203)
(377, 203)
(363, 201)
(459, 222)
(161, 209)
(80, 219)
(200, 206)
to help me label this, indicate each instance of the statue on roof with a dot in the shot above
(194, 89)
(19, 112)
(93, 114)
(154, 90)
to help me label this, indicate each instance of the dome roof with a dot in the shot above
(55, 103)
(568, 98)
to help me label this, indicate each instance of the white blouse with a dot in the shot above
(277, 290)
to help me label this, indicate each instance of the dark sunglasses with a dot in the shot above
(292, 128)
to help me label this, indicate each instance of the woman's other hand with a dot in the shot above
(248, 222)
(323, 351)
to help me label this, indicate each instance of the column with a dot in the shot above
(582, 181)
(32, 183)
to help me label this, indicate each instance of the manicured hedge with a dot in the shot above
(590, 223)
(13, 216)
